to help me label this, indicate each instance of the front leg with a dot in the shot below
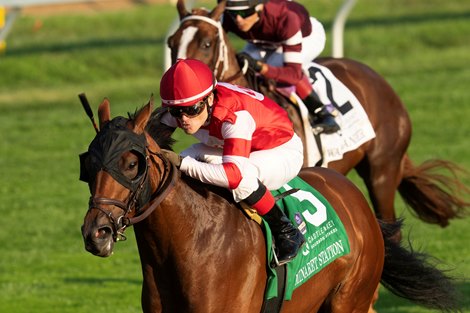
(150, 297)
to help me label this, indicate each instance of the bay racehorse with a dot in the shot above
(200, 253)
(382, 163)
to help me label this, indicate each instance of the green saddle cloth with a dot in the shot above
(325, 236)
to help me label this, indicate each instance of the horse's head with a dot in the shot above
(200, 36)
(123, 167)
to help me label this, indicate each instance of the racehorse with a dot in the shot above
(200, 253)
(382, 163)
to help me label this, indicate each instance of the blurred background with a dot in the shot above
(115, 49)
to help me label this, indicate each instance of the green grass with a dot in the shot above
(420, 46)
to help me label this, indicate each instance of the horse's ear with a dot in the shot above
(142, 117)
(104, 112)
(181, 7)
(218, 11)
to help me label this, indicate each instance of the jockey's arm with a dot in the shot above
(236, 151)
(291, 70)
(290, 73)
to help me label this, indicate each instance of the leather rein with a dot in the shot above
(168, 173)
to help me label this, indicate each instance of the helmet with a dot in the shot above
(186, 82)
(242, 4)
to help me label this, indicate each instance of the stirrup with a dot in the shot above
(319, 129)
(275, 261)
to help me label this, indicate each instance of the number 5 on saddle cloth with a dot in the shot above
(325, 236)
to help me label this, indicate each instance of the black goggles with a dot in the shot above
(242, 13)
(189, 111)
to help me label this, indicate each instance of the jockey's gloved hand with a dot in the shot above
(173, 157)
(254, 64)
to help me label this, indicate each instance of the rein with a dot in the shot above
(169, 175)
(161, 193)
(222, 57)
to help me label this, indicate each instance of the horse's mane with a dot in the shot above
(160, 132)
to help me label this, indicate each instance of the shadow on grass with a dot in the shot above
(408, 19)
(100, 281)
(91, 43)
(94, 43)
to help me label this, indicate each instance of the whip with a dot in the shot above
(87, 108)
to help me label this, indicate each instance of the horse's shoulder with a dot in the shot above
(207, 190)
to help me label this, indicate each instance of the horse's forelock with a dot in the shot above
(200, 11)
(160, 132)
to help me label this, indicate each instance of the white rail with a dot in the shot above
(337, 32)
(338, 28)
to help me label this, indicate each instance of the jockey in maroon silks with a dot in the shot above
(282, 37)
(247, 143)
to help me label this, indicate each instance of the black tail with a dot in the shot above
(411, 275)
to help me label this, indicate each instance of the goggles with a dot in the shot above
(242, 13)
(189, 111)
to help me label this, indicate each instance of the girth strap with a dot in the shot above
(274, 305)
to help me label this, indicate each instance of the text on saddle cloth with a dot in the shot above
(326, 238)
(355, 125)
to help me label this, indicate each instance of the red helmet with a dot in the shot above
(186, 82)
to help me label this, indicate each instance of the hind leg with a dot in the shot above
(382, 180)
(359, 290)
(374, 300)
(348, 299)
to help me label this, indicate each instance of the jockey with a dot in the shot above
(247, 143)
(282, 34)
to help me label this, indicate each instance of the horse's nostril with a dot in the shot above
(103, 233)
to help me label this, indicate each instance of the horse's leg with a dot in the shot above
(374, 300)
(359, 272)
(382, 177)
(348, 299)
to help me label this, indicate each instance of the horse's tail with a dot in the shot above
(409, 274)
(433, 196)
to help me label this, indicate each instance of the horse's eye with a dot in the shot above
(206, 44)
(170, 41)
(129, 165)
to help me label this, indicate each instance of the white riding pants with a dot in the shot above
(273, 167)
(312, 46)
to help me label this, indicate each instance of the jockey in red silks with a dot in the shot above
(282, 34)
(247, 143)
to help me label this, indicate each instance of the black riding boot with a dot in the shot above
(322, 120)
(288, 239)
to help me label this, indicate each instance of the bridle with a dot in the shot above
(131, 214)
(222, 55)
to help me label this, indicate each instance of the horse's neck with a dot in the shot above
(193, 220)
(192, 236)
(234, 75)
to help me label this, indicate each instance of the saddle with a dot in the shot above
(326, 239)
(321, 149)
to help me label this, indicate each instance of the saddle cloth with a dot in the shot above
(356, 128)
(325, 236)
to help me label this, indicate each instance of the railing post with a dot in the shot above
(6, 23)
(338, 27)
